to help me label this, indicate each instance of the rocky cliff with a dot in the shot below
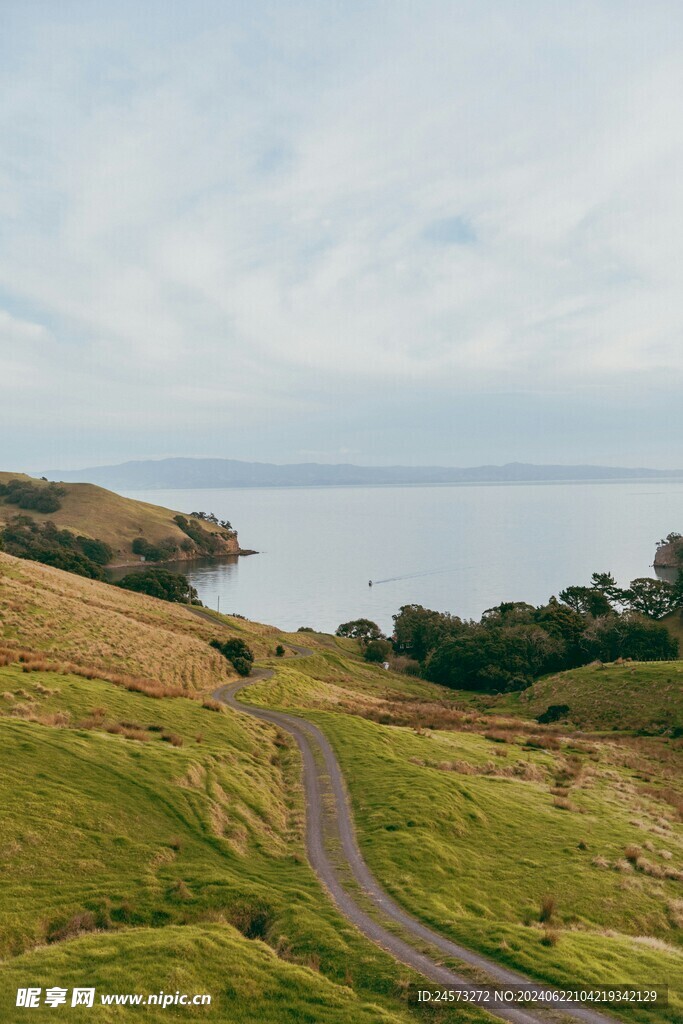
(669, 554)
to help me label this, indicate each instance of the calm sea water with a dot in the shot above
(453, 548)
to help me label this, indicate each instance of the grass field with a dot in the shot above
(72, 618)
(559, 855)
(156, 844)
(96, 512)
(152, 842)
(642, 696)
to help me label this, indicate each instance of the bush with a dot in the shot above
(205, 541)
(28, 495)
(154, 552)
(553, 713)
(280, 651)
(377, 651)
(46, 543)
(237, 652)
(168, 586)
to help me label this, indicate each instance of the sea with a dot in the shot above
(457, 548)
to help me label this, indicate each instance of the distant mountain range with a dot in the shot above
(189, 473)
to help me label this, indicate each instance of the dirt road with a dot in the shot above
(322, 776)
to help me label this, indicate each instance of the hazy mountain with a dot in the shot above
(188, 473)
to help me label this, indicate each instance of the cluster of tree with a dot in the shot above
(238, 653)
(159, 552)
(28, 495)
(203, 541)
(209, 517)
(46, 543)
(647, 596)
(168, 586)
(515, 643)
(374, 644)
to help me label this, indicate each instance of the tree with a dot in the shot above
(418, 630)
(654, 598)
(586, 601)
(630, 636)
(360, 629)
(168, 586)
(377, 651)
(606, 584)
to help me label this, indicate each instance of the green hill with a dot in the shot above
(99, 514)
(636, 696)
(154, 841)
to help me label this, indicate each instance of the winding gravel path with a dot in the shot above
(318, 779)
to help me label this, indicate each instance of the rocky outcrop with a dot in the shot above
(669, 555)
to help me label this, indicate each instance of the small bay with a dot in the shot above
(458, 548)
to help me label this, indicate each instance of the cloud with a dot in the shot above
(249, 216)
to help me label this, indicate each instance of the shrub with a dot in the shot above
(212, 705)
(548, 908)
(237, 652)
(168, 586)
(553, 713)
(377, 651)
(164, 549)
(280, 651)
(28, 495)
(44, 542)
(173, 739)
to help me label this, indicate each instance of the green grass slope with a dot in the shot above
(561, 857)
(641, 696)
(156, 844)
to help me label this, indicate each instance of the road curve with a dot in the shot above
(308, 738)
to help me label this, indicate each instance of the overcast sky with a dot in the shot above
(419, 232)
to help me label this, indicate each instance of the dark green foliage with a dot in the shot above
(418, 630)
(360, 629)
(205, 542)
(237, 652)
(493, 658)
(377, 651)
(168, 586)
(515, 643)
(654, 598)
(280, 651)
(96, 550)
(154, 552)
(46, 543)
(629, 636)
(586, 600)
(27, 495)
(554, 713)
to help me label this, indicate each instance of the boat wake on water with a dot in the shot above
(417, 575)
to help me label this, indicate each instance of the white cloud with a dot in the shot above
(240, 208)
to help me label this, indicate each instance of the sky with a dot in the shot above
(444, 232)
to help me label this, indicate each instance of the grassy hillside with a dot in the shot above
(557, 855)
(158, 844)
(640, 696)
(71, 618)
(95, 512)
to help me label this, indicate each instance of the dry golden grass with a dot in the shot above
(128, 638)
(95, 512)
